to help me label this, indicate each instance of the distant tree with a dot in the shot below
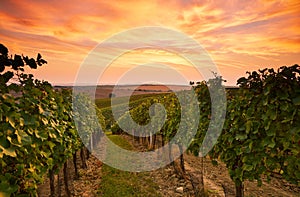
(111, 95)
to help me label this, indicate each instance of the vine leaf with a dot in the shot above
(296, 100)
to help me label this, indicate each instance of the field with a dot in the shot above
(104, 91)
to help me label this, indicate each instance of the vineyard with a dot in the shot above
(260, 134)
(38, 134)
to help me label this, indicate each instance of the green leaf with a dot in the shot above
(268, 123)
(247, 167)
(296, 100)
(272, 114)
(17, 62)
(265, 101)
(284, 106)
(272, 144)
(3, 50)
(4, 143)
(39, 56)
(2, 67)
(271, 132)
(248, 126)
(32, 64)
(6, 187)
(267, 90)
(7, 76)
(26, 139)
(241, 136)
(297, 173)
(283, 94)
(9, 151)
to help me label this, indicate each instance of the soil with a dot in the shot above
(86, 185)
(216, 180)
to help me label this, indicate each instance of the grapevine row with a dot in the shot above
(37, 131)
(261, 133)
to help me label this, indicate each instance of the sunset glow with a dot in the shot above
(240, 36)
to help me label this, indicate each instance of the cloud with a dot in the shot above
(234, 33)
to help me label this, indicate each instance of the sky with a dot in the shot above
(238, 36)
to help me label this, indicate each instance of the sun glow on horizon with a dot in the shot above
(239, 36)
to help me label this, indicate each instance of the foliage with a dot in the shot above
(262, 130)
(119, 106)
(261, 133)
(37, 132)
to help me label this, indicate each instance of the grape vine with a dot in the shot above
(37, 132)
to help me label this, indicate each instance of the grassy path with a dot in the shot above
(120, 183)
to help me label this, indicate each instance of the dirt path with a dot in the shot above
(219, 176)
(216, 179)
(165, 178)
(86, 185)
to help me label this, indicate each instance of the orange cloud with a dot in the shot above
(239, 35)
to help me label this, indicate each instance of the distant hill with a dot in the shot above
(103, 91)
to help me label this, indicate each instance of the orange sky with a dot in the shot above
(238, 35)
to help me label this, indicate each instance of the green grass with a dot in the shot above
(118, 140)
(117, 183)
